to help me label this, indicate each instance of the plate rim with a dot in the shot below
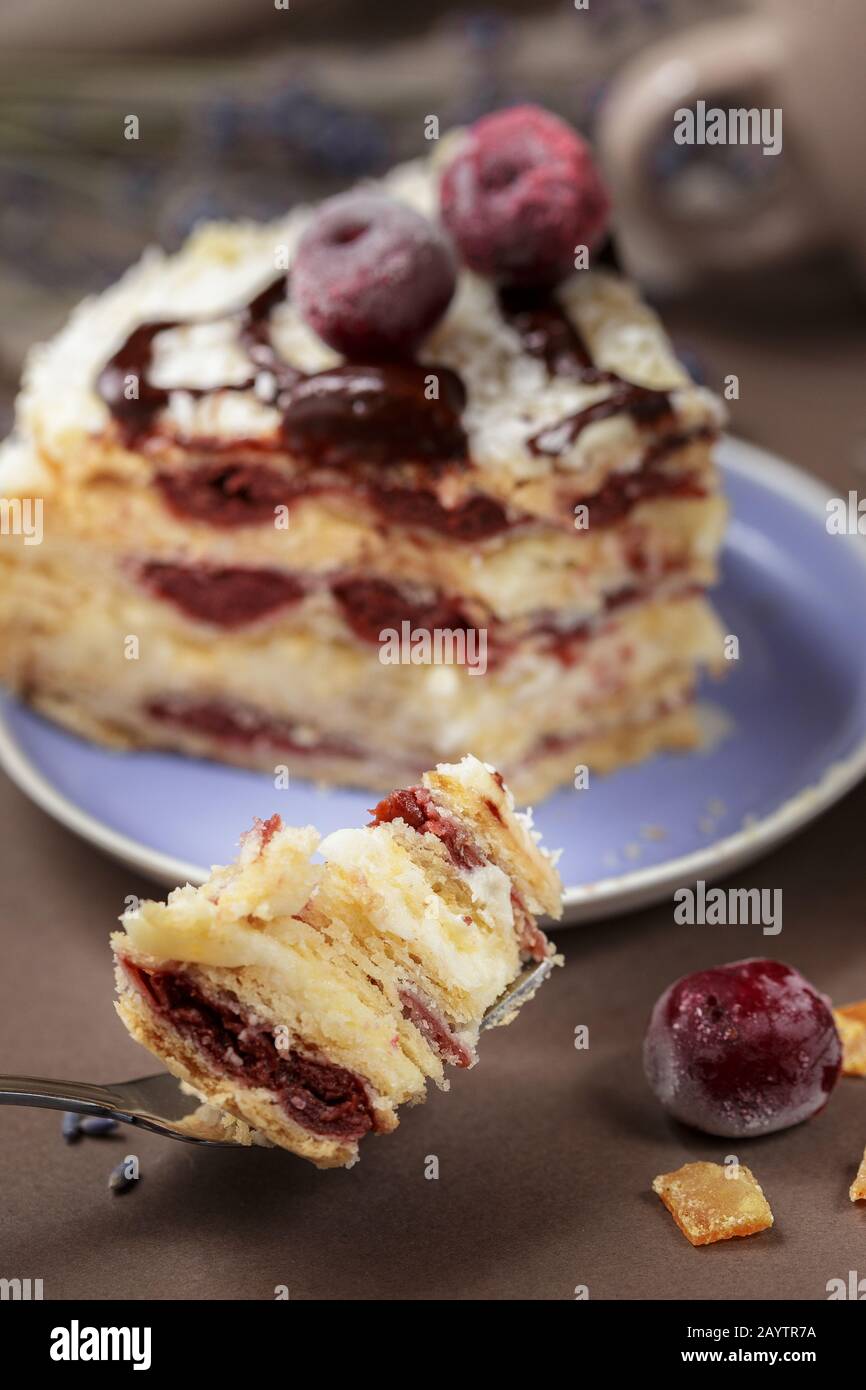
(590, 901)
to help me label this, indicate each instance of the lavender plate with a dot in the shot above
(787, 736)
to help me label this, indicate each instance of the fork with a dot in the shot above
(157, 1102)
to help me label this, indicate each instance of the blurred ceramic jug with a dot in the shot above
(788, 79)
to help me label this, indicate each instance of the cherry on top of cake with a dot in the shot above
(372, 277)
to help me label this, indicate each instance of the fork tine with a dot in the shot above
(517, 993)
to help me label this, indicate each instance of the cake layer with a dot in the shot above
(556, 605)
(73, 638)
(663, 720)
(235, 516)
(311, 1000)
(181, 363)
(523, 574)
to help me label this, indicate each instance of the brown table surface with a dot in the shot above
(546, 1154)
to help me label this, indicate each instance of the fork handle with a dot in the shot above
(78, 1096)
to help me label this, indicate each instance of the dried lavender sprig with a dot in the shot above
(120, 1179)
(98, 1125)
(71, 1127)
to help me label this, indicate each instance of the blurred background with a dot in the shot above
(245, 106)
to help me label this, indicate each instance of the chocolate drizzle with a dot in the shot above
(379, 414)
(124, 382)
(347, 424)
(645, 406)
(546, 332)
(124, 386)
(255, 333)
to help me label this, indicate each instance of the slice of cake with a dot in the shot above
(309, 999)
(355, 492)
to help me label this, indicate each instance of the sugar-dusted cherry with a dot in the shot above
(521, 194)
(372, 276)
(742, 1049)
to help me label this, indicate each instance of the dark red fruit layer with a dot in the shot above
(521, 194)
(230, 495)
(325, 1099)
(434, 1030)
(743, 1049)
(243, 725)
(530, 938)
(369, 606)
(622, 491)
(225, 494)
(415, 805)
(474, 520)
(230, 597)
(372, 276)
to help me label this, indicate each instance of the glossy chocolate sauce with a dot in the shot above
(547, 333)
(348, 423)
(126, 372)
(375, 414)
(641, 403)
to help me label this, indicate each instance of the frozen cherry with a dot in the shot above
(743, 1049)
(521, 194)
(372, 276)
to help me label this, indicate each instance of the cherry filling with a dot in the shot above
(243, 725)
(369, 606)
(432, 1027)
(247, 494)
(474, 520)
(225, 494)
(323, 1098)
(230, 597)
(415, 805)
(531, 939)
(622, 491)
